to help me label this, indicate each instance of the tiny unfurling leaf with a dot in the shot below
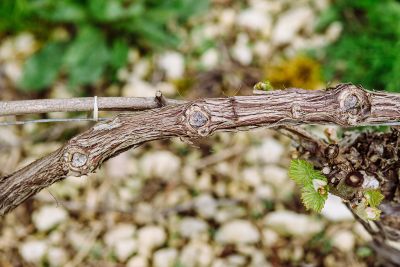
(313, 183)
(263, 86)
(302, 172)
(367, 213)
(374, 197)
(312, 199)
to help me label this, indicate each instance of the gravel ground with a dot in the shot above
(225, 201)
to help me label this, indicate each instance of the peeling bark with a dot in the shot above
(371, 154)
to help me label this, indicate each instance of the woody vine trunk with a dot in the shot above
(346, 105)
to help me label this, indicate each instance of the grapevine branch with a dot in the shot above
(22, 107)
(345, 105)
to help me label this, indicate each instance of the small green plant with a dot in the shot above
(374, 197)
(314, 191)
(263, 86)
(314, 185)
(367, 51)
(368, 208)
(98, 34)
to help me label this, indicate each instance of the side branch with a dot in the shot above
(80, 104)
(345, 105)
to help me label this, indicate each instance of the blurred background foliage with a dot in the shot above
(98, 34)
(368, 52)
(89, 40)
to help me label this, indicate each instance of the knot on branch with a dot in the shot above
(296, 111)
(197, 120)
(77, 161)
(354, 104)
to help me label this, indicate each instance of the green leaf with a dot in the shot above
(106, 10)
(87, 57)
(326, 18)
(312, 199)
(366, 212)
(374, 197)
(302, 172)
(263, 86)
(314, 191)
(153, 34)
(119, 54)
(42, 68)
(60, 11)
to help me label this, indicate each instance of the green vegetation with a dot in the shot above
(314, 185)
(374, 197)
(99, 33)
(367, 52)
(314, 191)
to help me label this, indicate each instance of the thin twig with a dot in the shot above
(36, 106)
(10, 123)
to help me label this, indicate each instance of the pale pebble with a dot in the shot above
(361, 232)
(270, 237)
(196, 254)
(118, 233)
(138, 261)
(262, 49)
(270, 151)
(57, 256)
(144, 213)
(33, 251)
(221, 263)
(264, 192)
(173, 63)
(78, 239)
(7, 49)
(191, 227)
(25, 43)
(294, 224)
(236, 260)
(241, 50)
(227, 17)
(205, 205)
(141, 68)
(125, 248)
(269, 7)
(258, 258)
(13, 70)
(209, 59)
(237, 232)
(334, 31)
(48, 217)
(335, 210)
(251, 176)
(229, 213)
(114, 166)
(290, 23)
(256, 20)
(275, 175)
(138, 88)
(163, 164)
(165, 257)
(150, 237)
(343, 240)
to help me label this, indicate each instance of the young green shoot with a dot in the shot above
(313, 184)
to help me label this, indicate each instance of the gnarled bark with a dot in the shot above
(345, 105)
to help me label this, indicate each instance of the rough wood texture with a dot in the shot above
(345, 105)
(373, 154)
